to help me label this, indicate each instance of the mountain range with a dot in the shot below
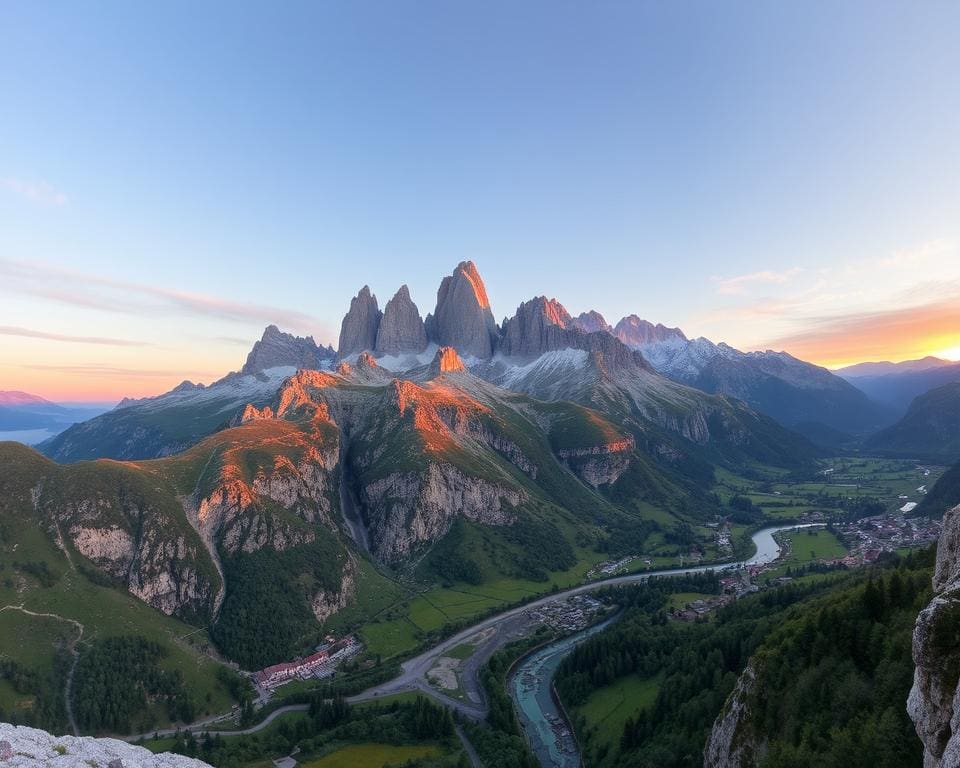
(20, 411)
(449, 448)
(895, 385)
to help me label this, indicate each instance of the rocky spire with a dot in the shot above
(401, 328)
(447, 361)
(463, 319)
(636, 332)
(277, 348)
(358, 332)
(592, 322)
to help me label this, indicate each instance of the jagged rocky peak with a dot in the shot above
(401, 327)
(276, 348)
(539, 326)
(358, 332)
(592, 322)
(462, 318)
(447, 361)
(636, 332)
(933, 704)
(366, 361)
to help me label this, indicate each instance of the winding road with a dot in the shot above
(509, 625)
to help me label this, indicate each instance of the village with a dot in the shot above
(321, 664)
(865, 539)
(570, 615)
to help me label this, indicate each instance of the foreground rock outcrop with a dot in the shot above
(934, 703)
(32, 747)
(733, 742)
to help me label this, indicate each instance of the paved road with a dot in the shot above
(508, 626)
(468, 748)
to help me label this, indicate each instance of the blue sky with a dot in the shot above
(177, 175)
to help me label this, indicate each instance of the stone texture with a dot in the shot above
(33, 747)
(732, 742)
(462, 318)
(410, 509)
(934, 701)
(358, 332)
(401, 327)
(276, 349)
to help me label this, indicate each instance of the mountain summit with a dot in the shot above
(401, 327)
(358, 332)
(462, 318)
(276, 349)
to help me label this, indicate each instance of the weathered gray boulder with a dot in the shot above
(401, 327)
(463, 319)
(33, 747)
(358, 332)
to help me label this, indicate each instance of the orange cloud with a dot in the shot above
(894, 334)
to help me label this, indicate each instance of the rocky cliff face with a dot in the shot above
(732, 742)
(21, 747)
(401, 328)
(934, 702)
(539, 325)
(276, 349)
(134, 537)
(447, 361)
(601, 464)
(408, 509)
(637, 332)
(358, 332)
(462, 318)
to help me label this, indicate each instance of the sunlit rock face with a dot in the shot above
(401, 327)
(447, 361)
(358, 332)
(463, 319)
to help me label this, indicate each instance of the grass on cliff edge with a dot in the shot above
(103, 611)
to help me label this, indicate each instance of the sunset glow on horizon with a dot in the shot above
(783, 180)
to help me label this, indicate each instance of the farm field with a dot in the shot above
(607, 709)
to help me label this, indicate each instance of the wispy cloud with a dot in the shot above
(29, 333)
(79, 289)
(39, 192)
(109, 370)
(741, 283)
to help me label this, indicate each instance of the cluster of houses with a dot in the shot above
(570, 615)
(870, 537)
(320, 664)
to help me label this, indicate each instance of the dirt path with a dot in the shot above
(191, 510)
(68, 688)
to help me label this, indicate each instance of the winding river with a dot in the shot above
(545, 726)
